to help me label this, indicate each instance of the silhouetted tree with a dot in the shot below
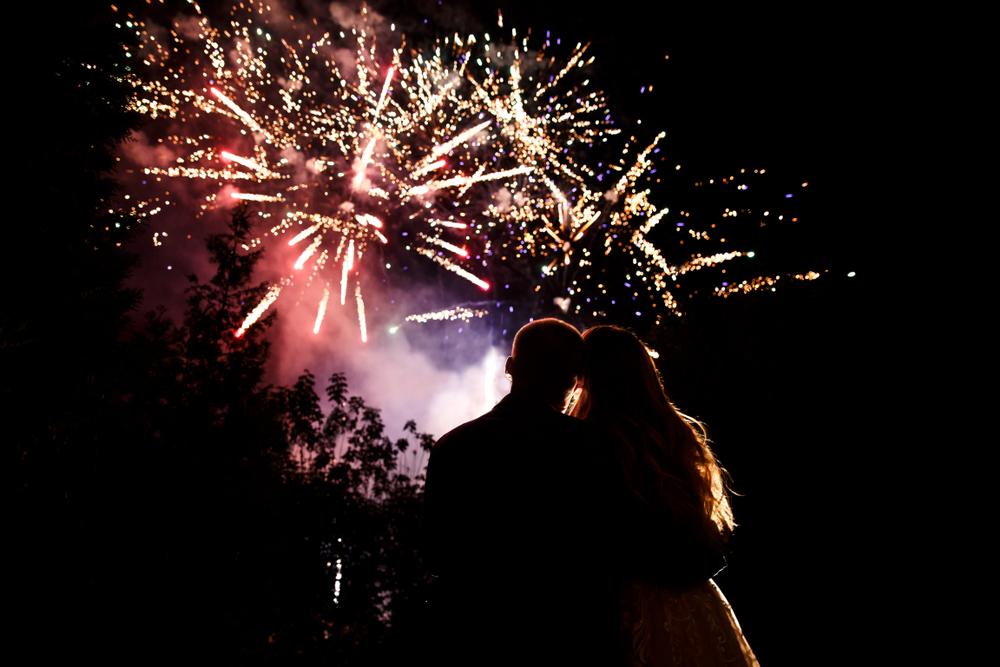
(207, 513)
(367, 526)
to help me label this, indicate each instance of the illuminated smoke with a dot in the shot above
(490, 396)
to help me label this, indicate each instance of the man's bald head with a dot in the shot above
(546, 360)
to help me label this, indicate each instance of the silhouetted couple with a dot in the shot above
(581, 539)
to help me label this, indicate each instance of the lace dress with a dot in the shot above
(690, 627)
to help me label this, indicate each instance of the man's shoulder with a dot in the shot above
(463, 432)
(504, 425)
(472, 438)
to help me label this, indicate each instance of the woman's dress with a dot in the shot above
(689, 626)
(671, 612)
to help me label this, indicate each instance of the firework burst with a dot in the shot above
(468, 154)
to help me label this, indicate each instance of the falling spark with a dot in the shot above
(255, 314)
(306, 233)
(255, 197)
(696, 263)
(447, 246)
(454, 268)
(249, 164)
(763, 282)
(366, 157)
(448, 145)
(368, 219)
(451, 314)
(361, 313)
(653, 220)
(336, 584)
(322, 309)
(431, 167)
(243, 115)
(583, 230)
(551, 233)
(348, 264)
(466, 180)
(308, 252)
(385, 89)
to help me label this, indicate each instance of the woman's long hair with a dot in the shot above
(664, 455)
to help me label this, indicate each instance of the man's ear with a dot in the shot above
(508, 366)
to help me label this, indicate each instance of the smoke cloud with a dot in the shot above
(190, 27)
(391, 371)
(347, 17)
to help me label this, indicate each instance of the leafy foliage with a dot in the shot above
(196, 509)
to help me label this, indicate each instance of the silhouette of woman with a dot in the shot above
(674, 512)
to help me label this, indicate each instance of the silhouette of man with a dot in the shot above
(517, 512)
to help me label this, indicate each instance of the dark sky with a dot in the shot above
(740, 83)
(791, 90)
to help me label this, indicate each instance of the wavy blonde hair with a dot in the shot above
(664, 454)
